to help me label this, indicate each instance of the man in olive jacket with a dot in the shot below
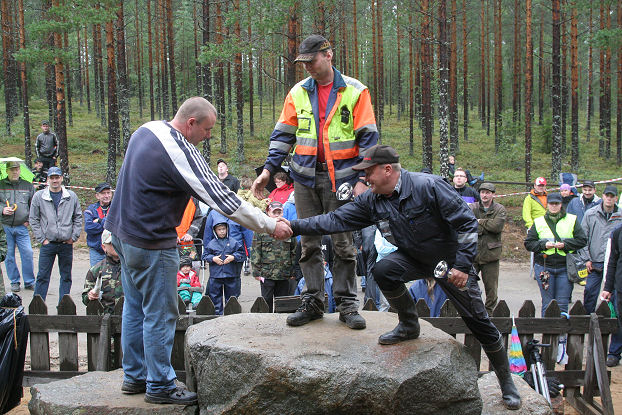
(491, 217)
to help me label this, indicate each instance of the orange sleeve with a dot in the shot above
(363, 113)
(288, 114)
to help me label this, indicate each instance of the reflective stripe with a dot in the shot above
(306, 141)
(353, 82)
(286, 128)
(369, 128)
(342, 145)
(564, 228)
(303, 171)
(279, 145)
(348, 172)
(467, 238)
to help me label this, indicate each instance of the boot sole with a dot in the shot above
(388, 342)
(353, 326)
(167, 400)
(302, 322)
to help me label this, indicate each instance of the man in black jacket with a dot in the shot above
(428, 222)
(612, 290)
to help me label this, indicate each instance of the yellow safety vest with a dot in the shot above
(564, 228)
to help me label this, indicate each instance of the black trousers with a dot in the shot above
(398, 268)
(274, 288)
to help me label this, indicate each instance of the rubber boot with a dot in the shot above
(408, 326)
(499, 359)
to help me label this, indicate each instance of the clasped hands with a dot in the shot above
(282, 230)
(219, 261)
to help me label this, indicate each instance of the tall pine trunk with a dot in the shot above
(124, 88)
(220, 82)
(602, 110)
(239, 91)
(443, 86)
(541, 69)
(426, 87)
(590, 81)
(564, 75)
(251, 92)
(355, 40)
(498, 78)
(171, 54)
(86, 71)
(411, 88)
(453, 82)
(139, 61)
(619, 106)
(517, 66)
(482, 64)
(292, 32)
(113, 109)
(556, 155)
(574, 87)
(528, 89)
(24, 80)
(61, 123)
(465, 72)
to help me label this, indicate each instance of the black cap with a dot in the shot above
(611, 189)
(221, 161)
(378, 154)
(185, 261)
(45, 122)
(554, 198)
(589, 183)
(310, 46)
(102, 186)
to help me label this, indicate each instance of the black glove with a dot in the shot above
(555, 388)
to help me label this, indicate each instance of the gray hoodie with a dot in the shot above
(598, 229)
(47, 223)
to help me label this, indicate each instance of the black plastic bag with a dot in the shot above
(14, 329)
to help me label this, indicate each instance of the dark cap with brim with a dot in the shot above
(589, 183)
(12, 164)
(378, 154)
(102, 186)
(221, 161)
(487, 186)
(54, 171)
(554, 198)
(310, 46)
(611, 190)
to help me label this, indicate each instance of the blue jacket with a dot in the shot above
(160, 171)
(237, 232)
(222, 247)
(94, 229)
(578, 208)
(419, 289)
(430, 222)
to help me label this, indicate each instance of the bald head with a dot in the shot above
(195, 107)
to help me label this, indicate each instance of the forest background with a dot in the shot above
(513, 88)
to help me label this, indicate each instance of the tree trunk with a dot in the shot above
(251, 96)
(171, 54)
(443, 86)
(619, 106)
(24, 80)
(465, 72)
(79, 71)
(164, 60)
(590, 80)
(239, 91)
(61, 125)
(207, 71)
(453, 83)
(150, 53)
(100, 69)
(86, 71)
(574, 67)
(68, 82)
(355, 40)
(399, 41)
(426, 90)
(498, 79)
(556, 155)
(96, 100)
(517, 66)
(292, 31)
(374, 46)
(381, 80)
(482, 66)
(602, 111)
(564, 76)
(411, 88)
(123, 89)
(528, 89)
(541, 69)
(608, 88)
(9, 64)
(488, 75)
(113, 110)
(220, 82)
(139, 61)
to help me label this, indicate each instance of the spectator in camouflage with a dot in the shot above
(103, 280)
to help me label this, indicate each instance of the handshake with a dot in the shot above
(282, 230)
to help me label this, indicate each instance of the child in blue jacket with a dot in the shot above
(225, 257)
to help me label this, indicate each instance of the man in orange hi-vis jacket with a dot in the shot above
(329, 121)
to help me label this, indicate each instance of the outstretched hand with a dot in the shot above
(260, 183)
(282, 230)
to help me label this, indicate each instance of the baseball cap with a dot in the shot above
(221, 161)
(100, 187)
(12, 164)
(487, 186)
(275, 205)
(554, 198)
(540, 181)
(54, 171)
(45, 122)
(310, 46)
(589, 183)
(378, 154)
(611, 189)
(106, 237)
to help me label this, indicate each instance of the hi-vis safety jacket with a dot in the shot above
(350, 128)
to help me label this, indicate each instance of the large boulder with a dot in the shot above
(256, 364)
(532, 403)
(95, 393)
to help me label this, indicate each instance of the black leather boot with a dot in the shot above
(408, 326)
(499, 359)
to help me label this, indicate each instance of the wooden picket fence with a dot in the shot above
(584, 379)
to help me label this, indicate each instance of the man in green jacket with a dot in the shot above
(534, 205)
(491, 217)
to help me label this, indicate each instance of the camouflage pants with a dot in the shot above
(2, 292)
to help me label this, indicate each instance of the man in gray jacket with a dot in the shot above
(15, 196)
(598, 223)
(47, 146)
(56, 221)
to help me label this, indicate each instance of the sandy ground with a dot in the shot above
(515, 286)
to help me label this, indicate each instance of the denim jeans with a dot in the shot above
(18, 236)
(592, 287)
(560, 288)
(311, 201)
(47, 255)
(95, 256)
(149, 279)
(615, 345)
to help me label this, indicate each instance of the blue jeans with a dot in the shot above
(592, 287)
(18, 235)
(149, 279)
(560, 288)
(47, 255)
(95, 256)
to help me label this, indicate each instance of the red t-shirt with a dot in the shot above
(323, 91)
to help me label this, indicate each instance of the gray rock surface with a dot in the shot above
(95, 393)
(256, 364)
(532, 402)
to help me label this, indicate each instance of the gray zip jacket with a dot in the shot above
(598, 229)
(18, 193)
(47, 223)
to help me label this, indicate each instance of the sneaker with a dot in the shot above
(131, 388)
(29, 287)
(179, 396)
(15, 287)
(353, 320)
(305, 313)
(612, 361)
